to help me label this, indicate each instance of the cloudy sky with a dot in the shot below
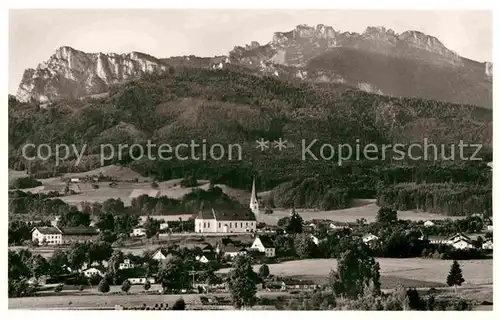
(35, 34)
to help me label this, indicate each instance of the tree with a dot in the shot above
(173, 274)
(77, 255)
(179, 304)
(147, 285)
(57, 263)
(304, 246)
(126, 286)
(152, 227)
(106, 221)
(295, 223)
(455, 277)
(356, 270)
(264, 271)
(38, 266)
(242, 282)
(387, 215)
(284, 246)
(103, 286)
(73, 218)
(283, 222)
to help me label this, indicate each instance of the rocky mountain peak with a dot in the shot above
(73, 73)
(304, 31)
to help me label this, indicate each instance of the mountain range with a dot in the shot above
(410, 64)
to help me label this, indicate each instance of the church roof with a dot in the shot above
(237, 215)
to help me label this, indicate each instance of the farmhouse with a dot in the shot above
(458, 241)
(264, 244)
(295, 284)
(58, 236)
(224, 222)
(230, 250)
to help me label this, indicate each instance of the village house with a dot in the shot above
(370, 239)
(224, 222)
(141, 280)
(264, 244)
(314, 239)
(92, 271)
(487, 245)
(138, 232)
(458, 241)
(296, 284)
(163, 226)
(85, 265)
(229, 250)
(126, 264)
(339, 225)
(160, 254)
(59, 236)
(206, 257)
(429, 223)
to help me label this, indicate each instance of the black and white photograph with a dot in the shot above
(250, 159)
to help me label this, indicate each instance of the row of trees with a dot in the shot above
(444, 198)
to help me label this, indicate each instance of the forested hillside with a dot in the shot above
(232, 106)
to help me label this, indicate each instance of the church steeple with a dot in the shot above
(254, 203)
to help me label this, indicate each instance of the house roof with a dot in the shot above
(209, 255)
(292, 282)
(79, 231)
(267, 242)
(231, 248)
(225, 215)
(459, 235)
(162, 250)
(48, 230)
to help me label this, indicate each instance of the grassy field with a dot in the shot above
(430, 270)
(364, 208)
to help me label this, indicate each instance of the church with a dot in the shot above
(229, 222)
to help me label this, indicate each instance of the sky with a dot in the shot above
(34, 35)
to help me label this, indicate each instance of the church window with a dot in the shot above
(230, 225)
(204, 225)
(208, 224)
(219, 224)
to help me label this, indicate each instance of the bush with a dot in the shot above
(25, 182)
(147, 285)
(81, 288)
(154, 185)
(179, 304)
(189, 182)
(103, 286)
(126, 286)
(58, 288)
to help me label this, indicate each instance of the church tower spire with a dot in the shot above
(254, 203)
